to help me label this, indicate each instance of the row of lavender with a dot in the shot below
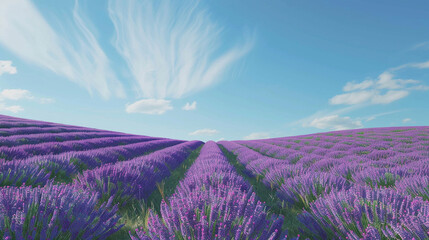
(368, 184)
(384, 143)
(49, 148)
(33, 205)
(69, 211)
(363, 184)
(212, 202)
(135, 178)
(12, 122)
(33, 130)
(37, 170)
(24, 139)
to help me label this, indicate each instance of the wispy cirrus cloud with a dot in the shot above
(6, 67)
(172, 48)
(421, 65)
(78, 56)
(418, 65)
(373, 117)
(422, 45)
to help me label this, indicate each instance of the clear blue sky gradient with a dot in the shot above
(304, 53)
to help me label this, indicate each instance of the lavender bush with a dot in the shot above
(53, 212)
(211, 202)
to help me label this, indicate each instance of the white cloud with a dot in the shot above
(405, 120)
(257, 135)
(21, 94)
(372, 97)
(386, 81)
(389, 97)
(204, 132)
(15, 94)
(305, 122)
(13, 108)
(384, 90)
(351, 86)
(334, 122)
(78, 57)
(171, 47)
(149, 106)
(6, 67)
(353, 97)
(421, 65)
(190, 106)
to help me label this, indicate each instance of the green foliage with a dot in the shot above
(403, 130)
(387, 180)
(22, 140)
(81, 166)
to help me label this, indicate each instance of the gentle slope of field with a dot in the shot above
(68, 182)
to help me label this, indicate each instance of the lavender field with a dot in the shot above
(66, 182)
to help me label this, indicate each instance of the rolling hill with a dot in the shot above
(68, 182)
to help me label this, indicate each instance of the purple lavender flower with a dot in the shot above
(55, 211)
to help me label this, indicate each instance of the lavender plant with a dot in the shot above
(210, 203)
(361, 211)
(53, 212)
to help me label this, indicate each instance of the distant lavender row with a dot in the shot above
(305, 180)
(9, 119)
(359, 184)
(54, 212)
(26, 151)
(14, 120)
(356, 134)
(370, 148)
(17, 140)
(137, 177)
(4, 124)
(33, 130)
(35, 169)
(212, 202)
(271, 170)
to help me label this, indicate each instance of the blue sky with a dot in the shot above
(216, 69)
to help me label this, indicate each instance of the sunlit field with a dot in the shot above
(67, 182)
